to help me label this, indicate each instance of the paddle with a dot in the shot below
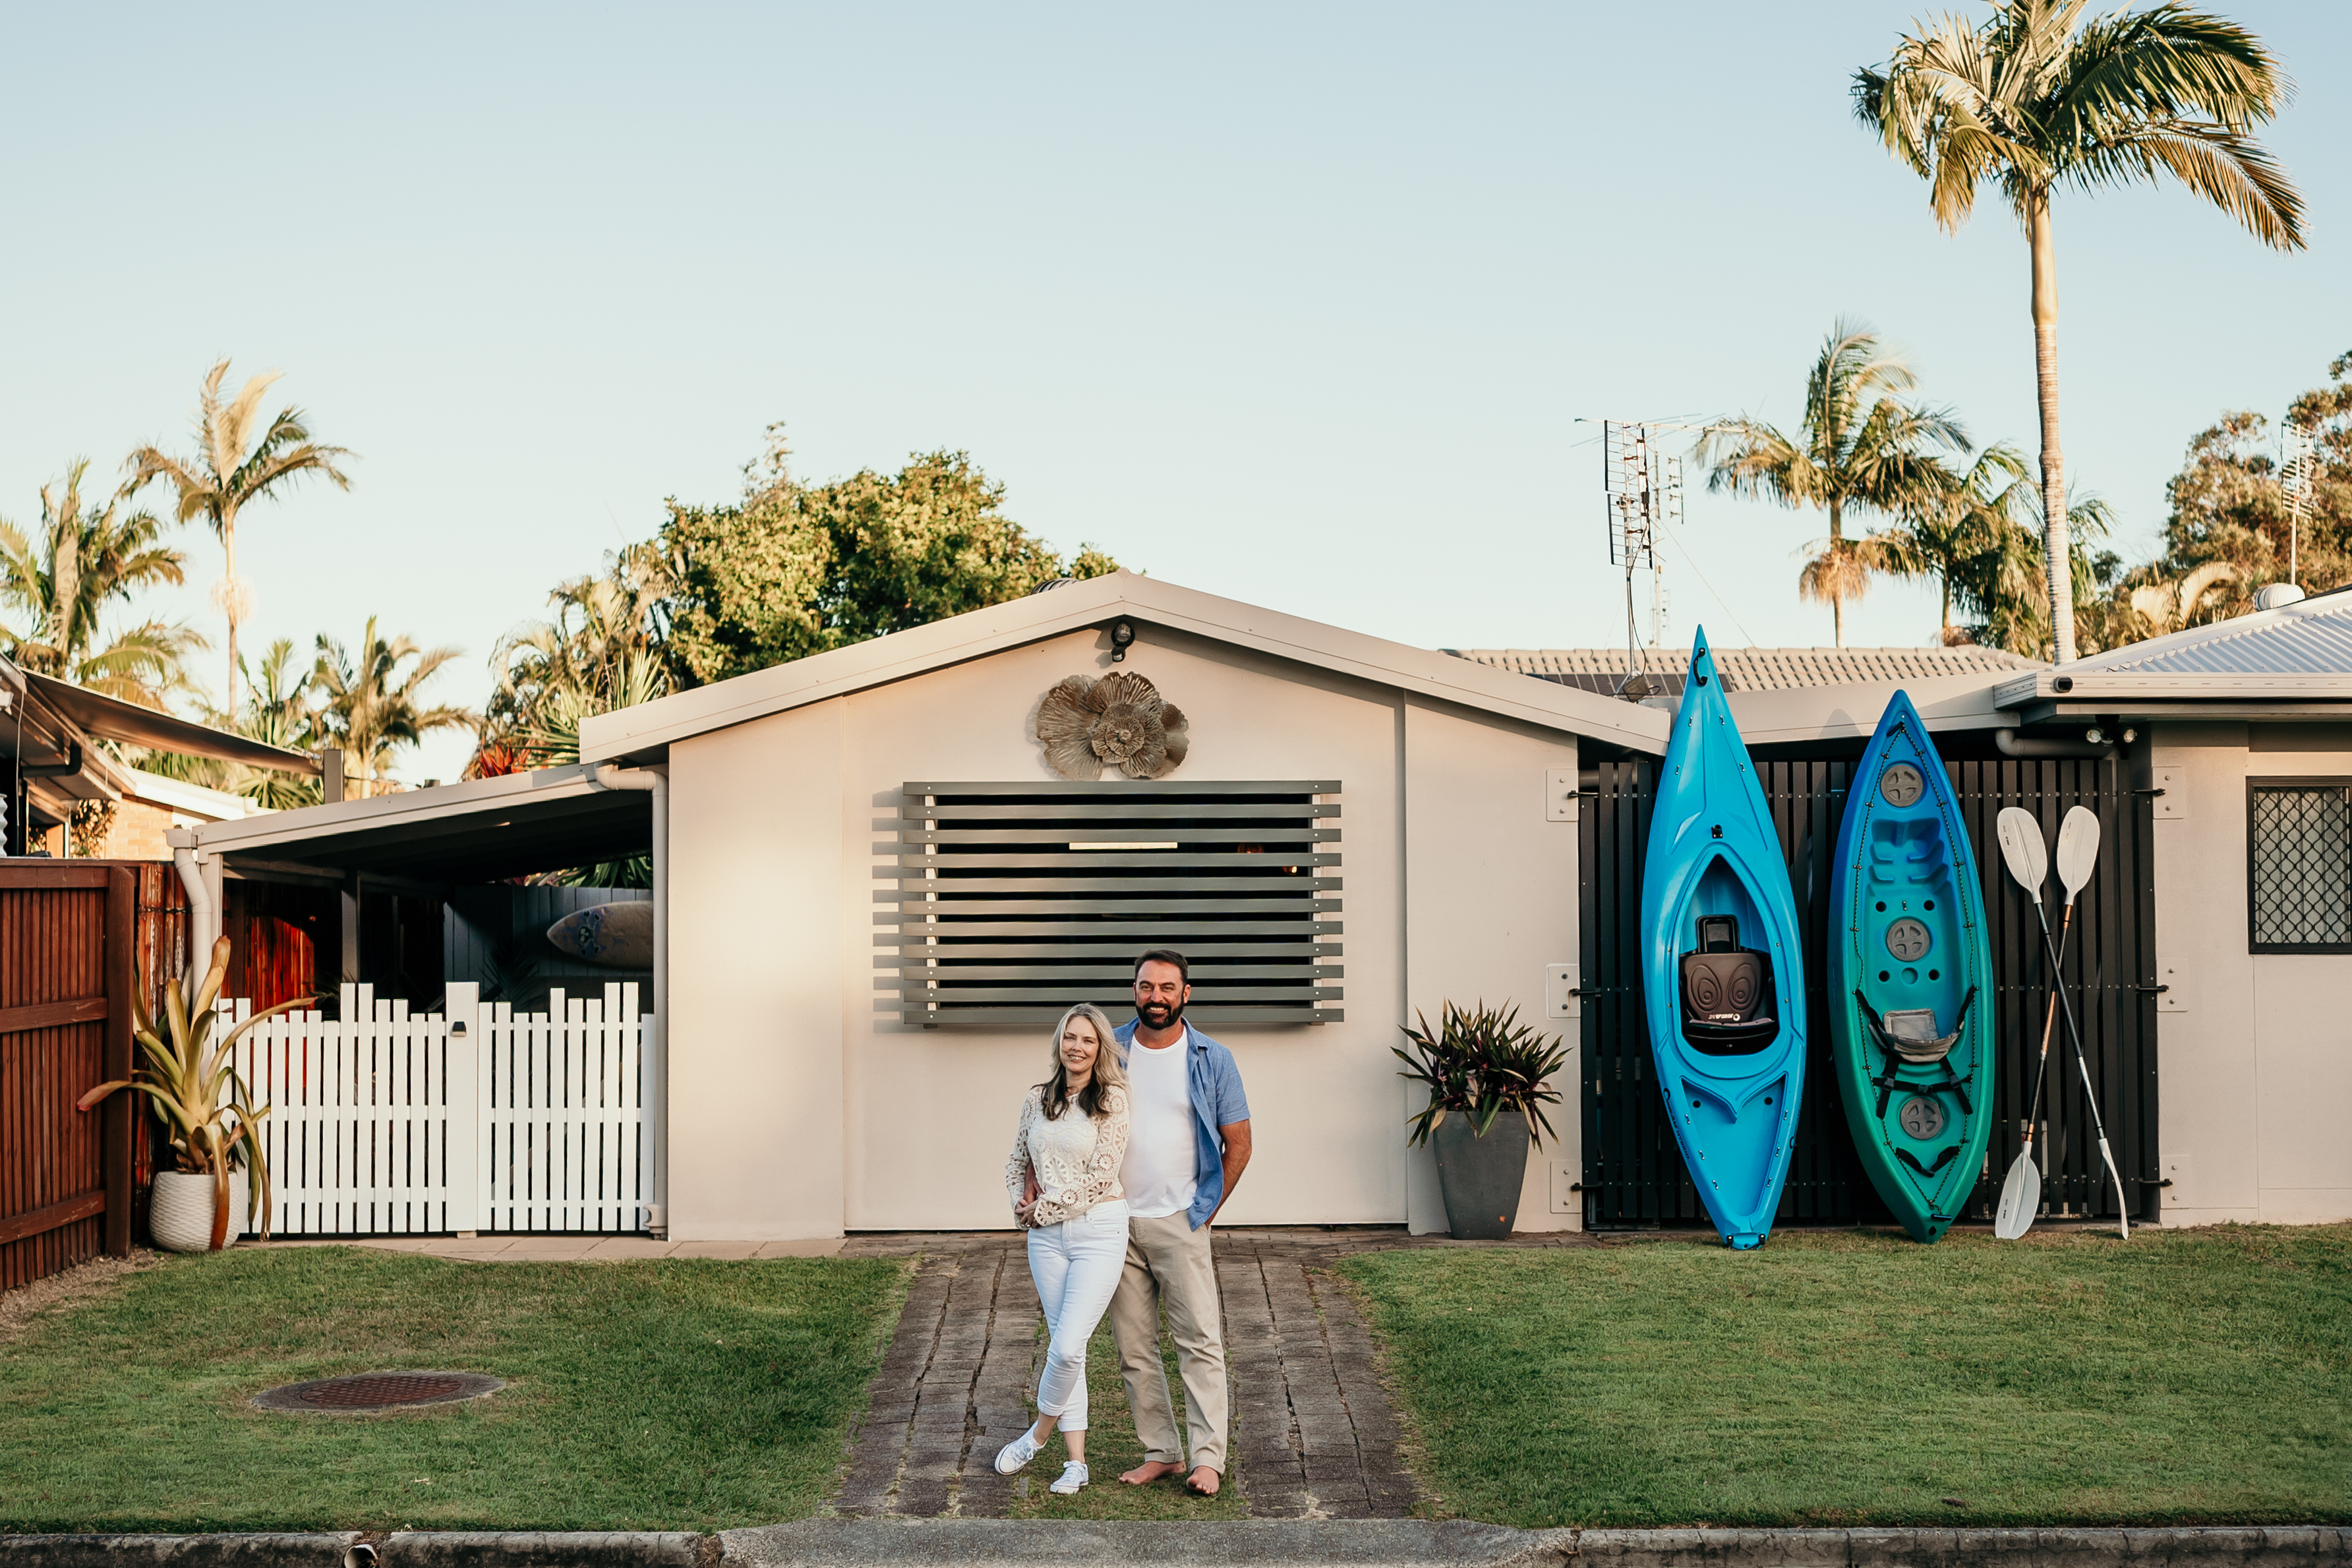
(2027, 861)
(2078, 851)
(2078, 847)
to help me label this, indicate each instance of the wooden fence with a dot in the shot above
(474, 1119)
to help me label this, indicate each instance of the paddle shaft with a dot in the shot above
(2049, 1022)
(2090, 1095)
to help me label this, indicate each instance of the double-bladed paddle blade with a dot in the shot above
(2078, 849)
(2021, 1197)
(2023, 849)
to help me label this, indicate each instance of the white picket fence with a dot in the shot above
(381, 1123)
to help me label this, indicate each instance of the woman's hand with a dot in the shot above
(1023, 1210)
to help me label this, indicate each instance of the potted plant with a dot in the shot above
(1484, 1071)
(207, 1109)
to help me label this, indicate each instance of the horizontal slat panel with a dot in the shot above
(1257, 990)
(1100, 832)
(52, 1015)
(918, 950)
(1120, 973)
(1207, 1017)
(1122, 860)
(1203, 811)
(1059, 790)
(1163, 910)
(1275, 884)
(1145, 930)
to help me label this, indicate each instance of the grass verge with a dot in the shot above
(677, 1394)
(1846, 1378)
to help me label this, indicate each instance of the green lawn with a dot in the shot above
(1842, 1378)
(679, 1394)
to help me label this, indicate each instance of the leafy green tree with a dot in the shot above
(77, 562)
(2002, 588)
(2035, 98)
(372, 706)
(1952, 518)
(795, 569)
(1860, 448)
(238, 461)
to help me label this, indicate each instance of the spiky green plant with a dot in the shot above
(193, 1080)
(1479, 1063)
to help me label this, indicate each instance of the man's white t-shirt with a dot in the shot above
(1160, 1173)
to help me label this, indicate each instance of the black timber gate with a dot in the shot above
(1633, 1173)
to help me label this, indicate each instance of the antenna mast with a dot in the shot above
(2298, 456)
(1642, 489)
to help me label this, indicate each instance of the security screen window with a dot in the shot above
(2299, 865)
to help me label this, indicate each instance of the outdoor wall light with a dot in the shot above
(1122, 637)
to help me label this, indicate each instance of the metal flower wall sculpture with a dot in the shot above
(1119, 722)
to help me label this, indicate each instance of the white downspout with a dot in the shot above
(656, 781)
(203, 914)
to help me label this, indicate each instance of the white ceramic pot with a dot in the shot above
(180, 1210)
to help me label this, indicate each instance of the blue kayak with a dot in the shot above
(1722, 965)
(1910, 980)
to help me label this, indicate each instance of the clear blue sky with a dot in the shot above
(1296, 303)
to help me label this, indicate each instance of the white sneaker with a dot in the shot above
(1074, 1476)
(1017, 1453)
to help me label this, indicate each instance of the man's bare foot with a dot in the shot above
(1150, 1470)
(1202, 1482)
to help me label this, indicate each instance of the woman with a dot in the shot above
(1063, 1179)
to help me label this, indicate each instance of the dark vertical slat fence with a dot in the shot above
(1633, 1173)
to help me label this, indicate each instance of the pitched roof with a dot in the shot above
(645, 729)
(2302, 650)
(1752, 669)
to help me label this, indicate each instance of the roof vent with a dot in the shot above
(2277, 596)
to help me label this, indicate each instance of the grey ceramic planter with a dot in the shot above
(1481, 1177)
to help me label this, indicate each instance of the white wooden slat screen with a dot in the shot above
(381, 1123)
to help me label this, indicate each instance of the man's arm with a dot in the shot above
(1236, 1135)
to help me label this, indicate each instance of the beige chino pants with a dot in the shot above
(1168, 1261)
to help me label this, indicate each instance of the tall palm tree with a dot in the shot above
(1954, 518)
(1860, 448)
(79, 560)
(372, 706)
(2034, 98)
(2002, 585)
(238, 461)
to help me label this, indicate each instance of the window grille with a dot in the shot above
(2299, 866)
(1018, 900)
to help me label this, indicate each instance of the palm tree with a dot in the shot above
(2171, 605)
(1860, 448)
(235, 466)
(278, 712)
(79, 561)
(1954, 518)
(374, 708)
(2003, 585)
(602, 650)
(2035, 98)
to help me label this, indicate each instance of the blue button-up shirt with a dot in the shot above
(1215, 1084)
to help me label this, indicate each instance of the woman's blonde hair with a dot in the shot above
(1107, 1073)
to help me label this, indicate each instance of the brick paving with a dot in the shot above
(1313, 1430)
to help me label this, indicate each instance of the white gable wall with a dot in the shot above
(800, 1105)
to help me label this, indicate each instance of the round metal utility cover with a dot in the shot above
(1921, 1116)
(379, 1391)
(1907, 939)
(1901, 785)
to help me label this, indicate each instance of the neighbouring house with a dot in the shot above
(875, 886)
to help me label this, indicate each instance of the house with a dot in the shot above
(875, 887)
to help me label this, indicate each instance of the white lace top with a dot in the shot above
(1076, 1157)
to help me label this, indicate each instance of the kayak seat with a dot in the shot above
(1727, 992)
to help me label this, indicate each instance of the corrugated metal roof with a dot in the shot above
(2311, 637)
(1753, 669)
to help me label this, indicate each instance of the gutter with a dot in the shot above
(657, 782)
(2012, 745)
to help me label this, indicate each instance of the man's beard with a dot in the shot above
(1160, 1015)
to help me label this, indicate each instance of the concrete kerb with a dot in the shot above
(1323, 1543)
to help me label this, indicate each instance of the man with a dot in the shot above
(1187, 1143)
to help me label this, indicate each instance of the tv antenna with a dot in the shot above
(2298, 460)
(1642, 488)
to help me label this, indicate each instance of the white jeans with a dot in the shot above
(1076, 1266)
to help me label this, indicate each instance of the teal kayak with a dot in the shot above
(1910, 980)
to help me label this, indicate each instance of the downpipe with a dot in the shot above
(203, 883)
(655, 781)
